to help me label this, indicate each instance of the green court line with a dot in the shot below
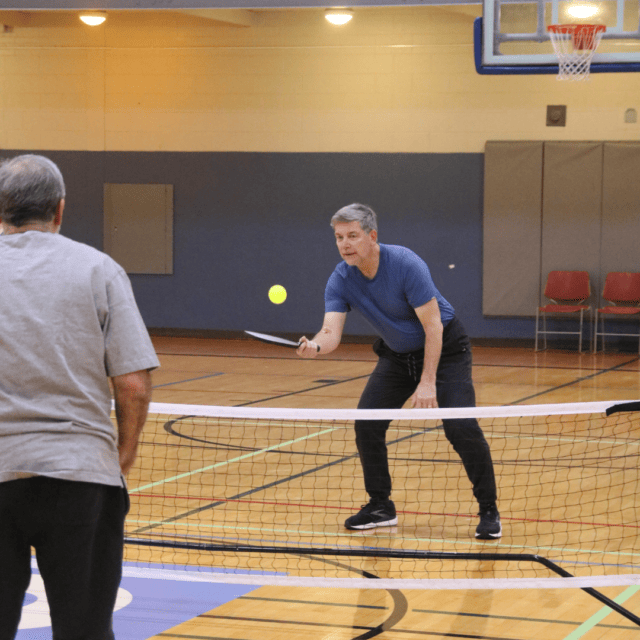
(226, 462)
(589, 624)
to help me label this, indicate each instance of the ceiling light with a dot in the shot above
(338, 16)
(94, 18)
(582, 10)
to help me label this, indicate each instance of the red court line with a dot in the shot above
(420, 513)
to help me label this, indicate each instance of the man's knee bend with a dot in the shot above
(464, 433)
(371, 429)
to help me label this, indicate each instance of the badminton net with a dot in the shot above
(259, 495)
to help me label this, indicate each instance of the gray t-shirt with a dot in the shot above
(68, 322)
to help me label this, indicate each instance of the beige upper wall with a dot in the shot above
(393, 80)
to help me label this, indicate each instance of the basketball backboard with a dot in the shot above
(512, 36)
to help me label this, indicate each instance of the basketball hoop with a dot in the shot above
(575, 45)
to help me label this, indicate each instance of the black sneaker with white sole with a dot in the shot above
(378, 513)
(489, 527)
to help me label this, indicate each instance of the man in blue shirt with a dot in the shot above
(424, 355)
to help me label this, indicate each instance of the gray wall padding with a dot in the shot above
(571, 208)
(620, 209)
(511, 227)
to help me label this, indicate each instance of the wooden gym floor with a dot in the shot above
(244, 372)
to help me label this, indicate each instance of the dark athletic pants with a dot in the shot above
(77, 531)
(393, 382)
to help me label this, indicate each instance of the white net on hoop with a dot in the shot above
(575, 45)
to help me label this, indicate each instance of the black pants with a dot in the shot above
(77, 530)
(392, 383)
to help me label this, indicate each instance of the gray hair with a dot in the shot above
(355, 212)
(31, 188)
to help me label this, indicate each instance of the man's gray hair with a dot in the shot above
(31, 188)
(356, 212)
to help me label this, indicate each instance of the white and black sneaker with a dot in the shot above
(378, 513)
(489, 527)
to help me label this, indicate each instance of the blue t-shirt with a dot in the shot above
(403, 283)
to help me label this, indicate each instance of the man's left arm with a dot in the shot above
(132, 394)
(424, 396)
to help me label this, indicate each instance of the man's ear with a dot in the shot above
(57, 219)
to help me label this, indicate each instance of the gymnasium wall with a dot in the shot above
(265, 130)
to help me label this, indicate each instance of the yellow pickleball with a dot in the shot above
(277, 294)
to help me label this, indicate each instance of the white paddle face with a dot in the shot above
(283, 342)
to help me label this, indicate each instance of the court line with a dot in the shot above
(216, 503)
(533, 366)
(515, 402)
(249, 357)
(295, 393)
(316, 602)
(577, 380)
(283, 395)
(153, 524)
(400, 602)
(518, 401)
(371, 631)
(325, 508)
(589, 624)
(225, 462)
(488, 616)
(168, 384)
(274, 578)
(606, 609)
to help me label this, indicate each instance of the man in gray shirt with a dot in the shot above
(69, 326)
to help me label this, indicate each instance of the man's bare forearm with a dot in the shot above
(432, 351)
(132, 395)
(328, 338)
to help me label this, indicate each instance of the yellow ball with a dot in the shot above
(277, 294)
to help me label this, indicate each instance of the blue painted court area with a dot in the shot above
(145, 606)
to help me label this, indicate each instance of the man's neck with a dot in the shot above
(369, 268)
(45, 227)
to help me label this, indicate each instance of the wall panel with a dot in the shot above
(571, 208)
(620, 209)
(244, 221)
(511, 228)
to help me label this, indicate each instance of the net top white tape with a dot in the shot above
(343, 415)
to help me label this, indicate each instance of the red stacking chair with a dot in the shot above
(567, 290)
(622, 290)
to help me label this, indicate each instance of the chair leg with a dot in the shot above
(580, 336)
(544, 328)
(535, 348)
